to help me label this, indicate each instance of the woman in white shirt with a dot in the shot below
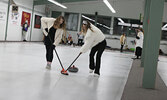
(94, 39)
(139, 42)
(53, 30)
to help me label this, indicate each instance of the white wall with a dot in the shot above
(163, 46)
(3, 16)
(37, 34)
(14, 31)
(113, 41)
(165, 12)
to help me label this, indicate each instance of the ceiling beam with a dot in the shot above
(43, 2)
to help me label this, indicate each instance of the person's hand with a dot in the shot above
(80, 53)
(53, 46)
(46, 29)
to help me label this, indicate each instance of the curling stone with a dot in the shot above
(73, 69)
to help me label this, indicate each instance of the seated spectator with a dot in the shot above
(70, 41)
(80, 38)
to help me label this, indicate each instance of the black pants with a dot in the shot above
(121, 50)
(49, 53)
(138, 51)
(99, 48)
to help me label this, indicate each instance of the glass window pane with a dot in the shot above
(71, 21)
(103, 22)
(126, 26)
(164, 32)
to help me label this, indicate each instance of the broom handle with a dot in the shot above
(74, 61)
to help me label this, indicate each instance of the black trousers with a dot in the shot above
(121, 50)
(99, 48)
(49, 53)
(138, 51)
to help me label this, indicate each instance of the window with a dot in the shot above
(127, 26)
(103, 22)
(71, 21)
(106, 24)
(164, 32)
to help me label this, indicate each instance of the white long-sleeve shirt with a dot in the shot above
(92, 38)
(139, 42)
(48, 23)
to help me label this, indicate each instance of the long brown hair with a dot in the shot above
(87, 26)
(141, 29)
(57, 21)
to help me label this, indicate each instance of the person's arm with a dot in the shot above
(137, 36)
(88, 43)
(44, 25)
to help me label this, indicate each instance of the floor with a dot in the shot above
(23, 75)
(134, 90)
(162, 68)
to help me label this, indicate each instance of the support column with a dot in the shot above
(32, 20)
(79, 22)
(112, 25)
(96, 14)
(6, 31)
(129, 31)
(152, 42)
(145, 27)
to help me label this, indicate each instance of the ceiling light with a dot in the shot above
(121, 20)
(88, 18)
(55, 2)
(164, 26)
(109, 6)
(94, 21)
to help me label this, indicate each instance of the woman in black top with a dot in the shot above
(53, 35)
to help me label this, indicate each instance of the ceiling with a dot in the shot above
(42, 2)
(124, 8)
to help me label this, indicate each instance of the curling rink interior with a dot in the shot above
(23, 75)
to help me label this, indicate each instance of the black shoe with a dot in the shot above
(24, 40)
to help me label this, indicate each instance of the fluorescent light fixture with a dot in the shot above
(88, 18)
(128, 24)
(135, 25)
(164, 29)
(164, 26)
(55, 2)
(121, 20)
(123, 24)
(94, 21)
(109, 6)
